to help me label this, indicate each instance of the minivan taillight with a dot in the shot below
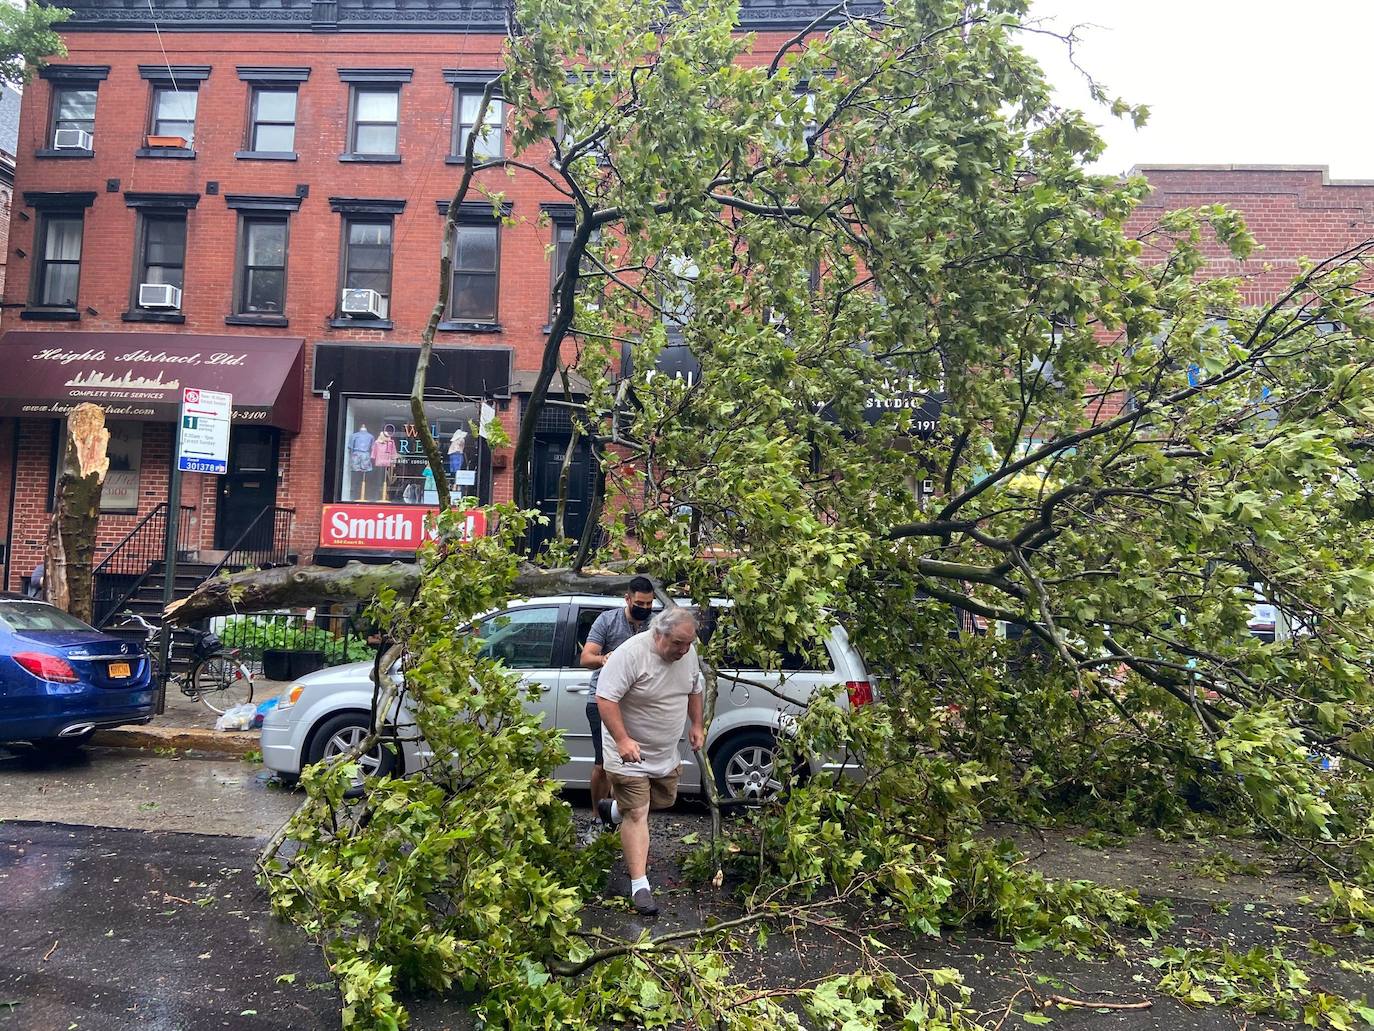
(47, 667)
(860, 693)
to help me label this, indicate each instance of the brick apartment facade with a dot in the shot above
(261, 158)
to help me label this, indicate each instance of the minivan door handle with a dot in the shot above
(584, 689)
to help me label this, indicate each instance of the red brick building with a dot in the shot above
(253, 203)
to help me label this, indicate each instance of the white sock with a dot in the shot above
(615, 811)
(639, 882)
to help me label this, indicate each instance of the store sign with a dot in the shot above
(388, 527)
(203, 438)
(897, 395)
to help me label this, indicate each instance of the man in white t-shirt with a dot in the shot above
(648, 690)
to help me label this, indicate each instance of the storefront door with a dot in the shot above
(549, 453)
(249, 487)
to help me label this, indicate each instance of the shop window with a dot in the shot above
(120, 490)
(262, 266)
(382, 461)
(58, 272)
(491, 139)
(372, 130)
(272, 126)
(174, 116)
(476, 260)
(367, 266)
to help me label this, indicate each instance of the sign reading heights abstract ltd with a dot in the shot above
(388, 527)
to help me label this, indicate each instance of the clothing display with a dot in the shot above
(456, 446)
(360, 450)
(431, 492)
(384, 450)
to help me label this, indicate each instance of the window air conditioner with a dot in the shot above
(364, 304)
(158, 295)
(71, 139)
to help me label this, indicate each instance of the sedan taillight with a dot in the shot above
(860, 693)
(47, 667)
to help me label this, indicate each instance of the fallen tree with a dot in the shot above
(869, 215)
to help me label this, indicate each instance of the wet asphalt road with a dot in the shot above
(114, 917)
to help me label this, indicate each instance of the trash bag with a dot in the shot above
(240, 717)
(262, 710)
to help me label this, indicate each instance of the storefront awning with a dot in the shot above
(141, 375)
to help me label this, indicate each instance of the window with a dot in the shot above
(163, 257)
(272, 120)
(73, 110)
(382, 462)
(59, 259)
(262, 281)
(563, 232)
(476, 258)
(174, 113)
(367, 258)
(676, 292)
(522, 638)
(373, 127)
(491, 140)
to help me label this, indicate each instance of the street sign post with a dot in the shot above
(202, 446)
(203, 438)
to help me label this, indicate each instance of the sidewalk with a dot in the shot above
(189, 724)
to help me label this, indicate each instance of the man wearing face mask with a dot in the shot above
(612, 629)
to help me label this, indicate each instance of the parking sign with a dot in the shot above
(204, 431)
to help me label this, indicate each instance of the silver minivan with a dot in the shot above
(326, 713)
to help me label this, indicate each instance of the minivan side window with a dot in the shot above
(585, 618)
(522, 638)
(816, 660)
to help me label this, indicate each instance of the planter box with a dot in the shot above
(280, 664)
(176, 142)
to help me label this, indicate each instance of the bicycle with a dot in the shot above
(218, 677)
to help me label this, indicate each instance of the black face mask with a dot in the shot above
(639, 613)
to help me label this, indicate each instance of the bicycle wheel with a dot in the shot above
(222, 682)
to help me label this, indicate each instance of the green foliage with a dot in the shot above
(1260, 981)
(27, 39)
(256, 634)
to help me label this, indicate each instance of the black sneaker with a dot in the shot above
(603, 810)
(644, 902)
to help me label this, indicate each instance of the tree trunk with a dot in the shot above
(295, 586)
(70, 550)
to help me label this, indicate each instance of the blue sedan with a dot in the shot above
(61, 680)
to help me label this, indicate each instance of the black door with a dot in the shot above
(247, 489)
(549, 453)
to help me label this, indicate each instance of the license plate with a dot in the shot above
(119, 670)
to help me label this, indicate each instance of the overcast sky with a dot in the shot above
(1227, 81)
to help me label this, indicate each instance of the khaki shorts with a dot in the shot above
(635, 792)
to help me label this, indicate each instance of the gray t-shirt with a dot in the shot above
(653, 703)
(610, 630)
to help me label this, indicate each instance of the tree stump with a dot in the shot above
(70, 550)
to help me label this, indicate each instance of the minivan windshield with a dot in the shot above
(37, 617)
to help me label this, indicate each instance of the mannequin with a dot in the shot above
(360, 457)
(456, 446)
(384, 458)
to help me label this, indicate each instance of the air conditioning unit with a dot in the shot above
(363, 304)
(71, 139)
(158, 295)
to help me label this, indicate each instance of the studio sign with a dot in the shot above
(901, 395)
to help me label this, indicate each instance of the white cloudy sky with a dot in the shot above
(1227, 81)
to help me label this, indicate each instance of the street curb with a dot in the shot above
(222, 742)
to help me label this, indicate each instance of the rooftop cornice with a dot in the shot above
(370, 15)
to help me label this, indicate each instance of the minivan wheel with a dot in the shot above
(743, 766)
(338, 734)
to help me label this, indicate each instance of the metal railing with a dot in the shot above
(270, 640)
(120, 574)
(265, 541)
